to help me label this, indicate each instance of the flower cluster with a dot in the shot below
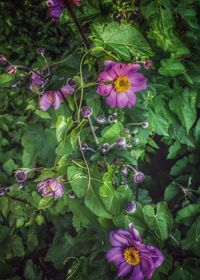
(120, 82)
(132, 257)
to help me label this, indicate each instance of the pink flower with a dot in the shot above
(55, 98)
(120, 83)
(11, 69)
(51, 187)
(36, 80)
(56, 7)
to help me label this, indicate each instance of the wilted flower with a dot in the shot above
(51, 187)
(121, 142)
(139, 177)
(131, 207)
(56, 7)
(86, 111)
(101, 119)
(36, 80)
(2, 59)
(132, 257)
(148, 64)
(11, 69)
(120, 82)
(20, 176)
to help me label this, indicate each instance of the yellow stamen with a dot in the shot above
(48, 188)
(122, 84)
(51, 98)
(131, 256)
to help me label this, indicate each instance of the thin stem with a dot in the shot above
(93, 131)
(78, 25)
(131, 167)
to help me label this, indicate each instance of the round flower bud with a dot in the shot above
(131, 207)
(11, 69)
(20, 176)
(84, 146)
(106, 146)
(71, 194)
(145, 124)
(2, 59)
(101, 119)
(71, 82)
(3, 191)
(40, 51)
(139, 177)
(148, 64)
(41, 90)
(110, 119)
(121, 142)
(124, 170)
(86, 111)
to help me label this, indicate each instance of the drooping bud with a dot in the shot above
(124, 170)
(71, 194)
(40, 51)
(148, 64)
(139, 177)
(2, 59)
(131, 207)
(21, 176)
(86, 111)
(105, 148)
(121, 142)
(11, 69)
(145, 124)
(101, 119)
(3, 191)
(84, 146)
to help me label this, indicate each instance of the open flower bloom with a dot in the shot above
(56, 7)
(132, 257)
(51, 187)
(55, 98)
(120, 83)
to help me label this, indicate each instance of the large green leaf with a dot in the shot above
(159, 221)
(188, 214)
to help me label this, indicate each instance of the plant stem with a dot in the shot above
(78, 25)
(93, 131)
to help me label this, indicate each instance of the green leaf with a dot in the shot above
(16, 246)
(76, 132)
(188, 214)
(170, 67)
(112, 133)
(5, 78)
(9, 166)
(158, 124)
(179, 166)
(192, 240)
(172, 192)
(160, 221)
(125, 40)
(45, 203)
(78, 180)
(174, 150)
(62, 127)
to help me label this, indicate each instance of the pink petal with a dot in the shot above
(122, 100)
(112, 99)
(45, 102)
(108, 64)
(131, 68)
(103, 89)
(115, 255)
(57, 100)
(124, 269)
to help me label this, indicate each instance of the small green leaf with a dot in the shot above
(45, 203)
(188, 214)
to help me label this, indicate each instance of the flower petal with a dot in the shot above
(147, 266)
(45, 102)
(138, 82)
(104, 89)
(115, 255)
(104, 76)
(57, 99)
(108, 64)
(137, 274)
(131, 99)
(112, 99)
(124, 269)
(130, 69)
(122, 100)
(118, 239)
(135, 234)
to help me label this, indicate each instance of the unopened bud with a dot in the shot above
(139, 177)
(11, 69)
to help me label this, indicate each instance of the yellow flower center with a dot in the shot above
(131, 256)
(51, 98)
(122, 84)
(48, 188)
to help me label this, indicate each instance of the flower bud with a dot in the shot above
(124, 170)
(21, 176)
(2, 59)
(11, 69)
(131, 207)
(110, 119)
(101, 119)
(121, 142)
(126, 130)
(71, 82)
(106, 146)
(71, 194)
(84, 146)
(86, 111)
(3, 191)
(148, 64)
(145, 124)
(139, 177)
(40, 51)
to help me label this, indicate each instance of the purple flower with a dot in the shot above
(139, 177)
(36, 80)
(51, 187)
(120, 82)
(56, 7)
(86, 111)
(132, 257)
(11, 69)
(20, 176)
(148, 64)
(3, 191)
